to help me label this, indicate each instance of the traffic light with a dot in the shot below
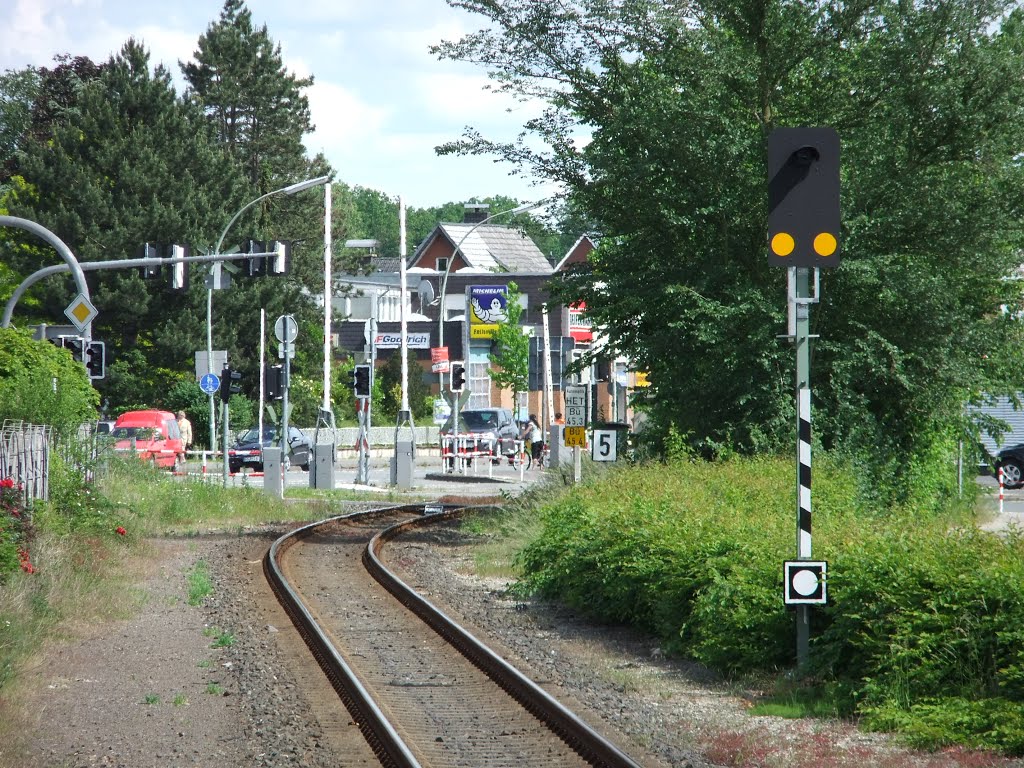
(179, 268)
(149, 251)
(229, 384)
(281, 261)
(75, 345)
(803, 197)
(256, 266)
(95, 359)
(273, 382)
(361, 380)
(458, 377)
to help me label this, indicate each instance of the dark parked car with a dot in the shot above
(491, 427)
(1011, 459)
(248, 449)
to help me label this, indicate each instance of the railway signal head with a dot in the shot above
(458, 377)
(95, 359)
(361, 380)
(229, 384)
(803, 197)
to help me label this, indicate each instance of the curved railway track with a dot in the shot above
(422, 689)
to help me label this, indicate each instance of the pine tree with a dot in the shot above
(126, 162)
(256, 107)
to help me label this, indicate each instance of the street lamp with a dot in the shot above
(291, 189)
(447, 268)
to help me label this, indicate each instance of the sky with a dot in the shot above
(380, 101)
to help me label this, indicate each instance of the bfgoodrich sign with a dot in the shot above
(394, 340)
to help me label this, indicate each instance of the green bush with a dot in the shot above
(925, 611)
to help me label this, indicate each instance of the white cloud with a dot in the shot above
(380, 101)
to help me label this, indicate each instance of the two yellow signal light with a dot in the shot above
(824, 244)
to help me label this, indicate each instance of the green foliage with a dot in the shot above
(925, 611)
(42, 384)
(389, 377)
(15, 528)
(678, 104)
(199, 583)
(511, 362)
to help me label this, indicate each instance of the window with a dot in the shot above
(442, 265)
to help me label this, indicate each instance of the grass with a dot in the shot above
(502, 533)
(199, 584)
(214, 689)
(221, 638)
(151, 698)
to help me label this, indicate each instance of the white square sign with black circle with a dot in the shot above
(805, 582)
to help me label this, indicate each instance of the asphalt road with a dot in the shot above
(428, 477)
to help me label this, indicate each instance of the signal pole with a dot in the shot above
(803, 235)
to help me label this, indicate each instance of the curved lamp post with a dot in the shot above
(291, 189)
(447, 268)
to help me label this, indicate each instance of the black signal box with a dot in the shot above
(803, 197)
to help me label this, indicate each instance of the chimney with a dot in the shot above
(473, 213)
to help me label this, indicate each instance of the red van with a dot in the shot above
(156, 435)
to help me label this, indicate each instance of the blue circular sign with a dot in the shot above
(210, 383)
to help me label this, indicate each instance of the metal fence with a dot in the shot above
(25, 457)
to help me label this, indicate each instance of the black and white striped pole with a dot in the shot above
(802, 340)
(803, 236)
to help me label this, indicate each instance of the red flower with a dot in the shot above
(121, 531)
(6, 483)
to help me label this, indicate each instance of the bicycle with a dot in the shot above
(519, 456)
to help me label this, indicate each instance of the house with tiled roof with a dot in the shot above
(454, 260)
(481, 248)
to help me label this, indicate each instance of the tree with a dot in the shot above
(126, 162)
(260, 114)
(257, 109)
(510, 363)
(41, 384)
(678, 100)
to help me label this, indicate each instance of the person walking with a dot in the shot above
(185, 427)
(536, 437)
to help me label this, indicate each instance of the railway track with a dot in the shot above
(422, 689)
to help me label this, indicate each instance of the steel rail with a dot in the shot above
(380, 734)
(383, 739)
(589, 744)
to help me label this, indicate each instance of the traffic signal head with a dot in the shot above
(803, 197)
(149, 251)
(229, 384)
(273, 382)
(281, 261)
(458, 377)
(179, 267)
(256, 266)
(361, 380)
(95, 359)
(75, 345)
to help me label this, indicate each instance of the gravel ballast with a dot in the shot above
(153, 691)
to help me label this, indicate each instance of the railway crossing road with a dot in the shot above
(427, 477)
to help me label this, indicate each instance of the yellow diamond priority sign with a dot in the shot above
(81, 312)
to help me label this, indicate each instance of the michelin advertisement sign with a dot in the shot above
(487, 309)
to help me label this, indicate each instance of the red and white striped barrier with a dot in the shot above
(459, 450)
